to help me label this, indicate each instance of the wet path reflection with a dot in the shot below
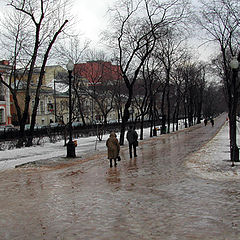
(153, 196)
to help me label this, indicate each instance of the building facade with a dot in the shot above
(102, 77)
(5, 96)
(52, 103)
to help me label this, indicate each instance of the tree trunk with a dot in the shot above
(168, 102)
(233, 101)
(141, 127)
(42, 72)
(163, 126)
(124, 122)
(80, 107)
(126, 114)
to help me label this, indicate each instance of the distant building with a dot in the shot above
(99, 75)
(5, 96)
(51, 73)
(53, 104)
(97, 72)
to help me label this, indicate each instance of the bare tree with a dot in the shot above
(213, 100)
(152, 87)
(170, 51)
(193, 75)
(73, 48)
(138, 24)
(41, 22)
(103, 79)
(220, 20)
(76, 50)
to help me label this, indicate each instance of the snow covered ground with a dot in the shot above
(85, 146)
(11, 158)
(211, 161)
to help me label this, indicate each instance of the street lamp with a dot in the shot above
(234, 64)
(70, 144)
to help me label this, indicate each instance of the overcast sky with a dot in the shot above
(92, 19)
(92, 16)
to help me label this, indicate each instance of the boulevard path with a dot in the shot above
(153, 196)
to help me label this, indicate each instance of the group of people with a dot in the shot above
(113, 146)
(206, 121)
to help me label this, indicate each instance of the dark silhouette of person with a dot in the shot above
(205, 122)
(132, 138)
(212, 122)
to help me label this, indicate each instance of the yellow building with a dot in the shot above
(51, 72)
(52, 104)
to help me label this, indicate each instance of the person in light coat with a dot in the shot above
(113, 147)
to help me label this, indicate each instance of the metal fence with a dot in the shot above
(62, 131)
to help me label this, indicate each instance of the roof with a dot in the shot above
(59, 86)
(4, 66)
(98, 71)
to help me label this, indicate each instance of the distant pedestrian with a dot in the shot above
(113, 148)
(205, 122)
(212, 122)
(132, 138)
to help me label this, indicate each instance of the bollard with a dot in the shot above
(154, 132)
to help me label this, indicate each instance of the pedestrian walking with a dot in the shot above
(132, 138)
(212, 122)
(205, 121)
(113, 148)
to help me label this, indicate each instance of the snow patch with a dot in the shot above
(212, 161)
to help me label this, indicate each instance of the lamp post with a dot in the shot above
(233, 100)
(70, 144)
(55, 101)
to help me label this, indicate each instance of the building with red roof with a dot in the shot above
(99, 78)
(97, 72)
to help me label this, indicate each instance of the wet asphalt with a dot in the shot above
(152, 196)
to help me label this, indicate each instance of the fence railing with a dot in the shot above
(79, 131)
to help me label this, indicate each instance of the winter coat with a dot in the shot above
(113, 146)
(132, 136)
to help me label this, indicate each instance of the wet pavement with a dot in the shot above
(153, 196)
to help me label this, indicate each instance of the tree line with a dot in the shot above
(147, 39)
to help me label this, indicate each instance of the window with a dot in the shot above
(63, 105)
(33, 103)
(42, 107)
(2, 98)
(2, 120)
(50, 107)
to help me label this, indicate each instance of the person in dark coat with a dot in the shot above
(212, 121)
(132, 138)
(205, 122)
(113, 147)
